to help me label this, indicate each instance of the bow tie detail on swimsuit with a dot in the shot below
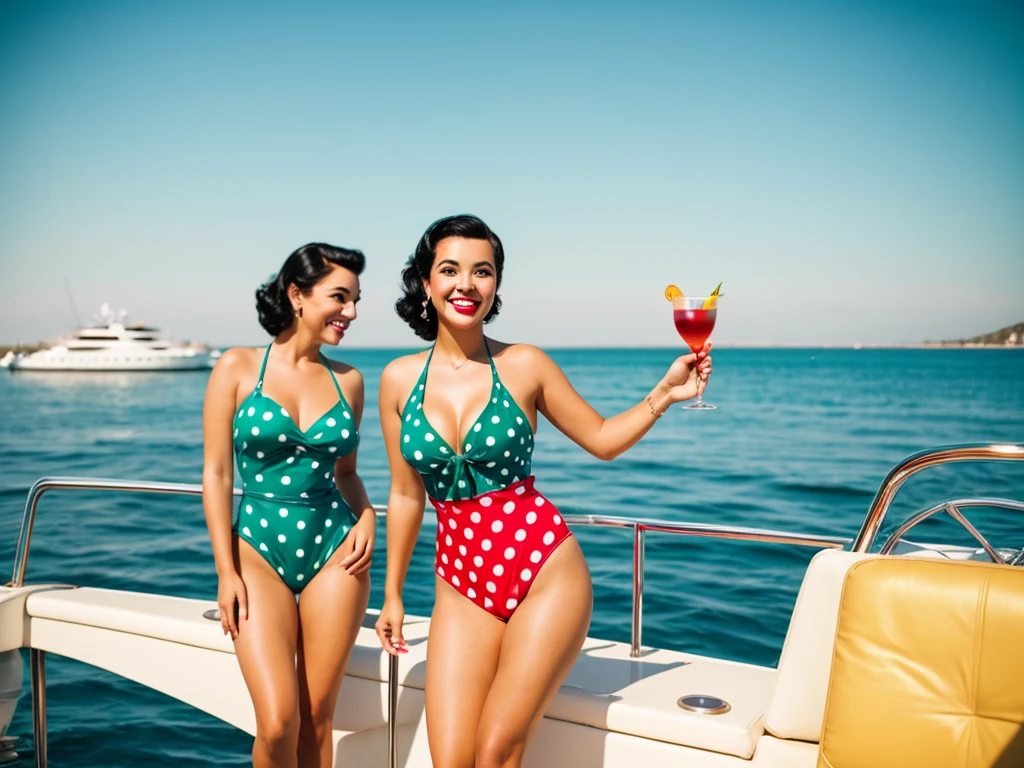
(468, 474)
(496, 452)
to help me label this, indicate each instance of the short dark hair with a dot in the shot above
(306, 267)
(410, 306)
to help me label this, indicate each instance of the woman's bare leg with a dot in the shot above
(540, 646)
(462, 657)
(331, 610)
(265, 648)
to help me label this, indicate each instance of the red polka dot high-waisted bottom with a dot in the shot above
(491, 547)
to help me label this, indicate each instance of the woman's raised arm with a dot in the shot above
(607, 438)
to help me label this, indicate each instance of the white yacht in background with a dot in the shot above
(110, 345)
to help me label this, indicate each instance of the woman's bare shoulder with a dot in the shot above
(345, 370)
(399, 376)
(525, 355)
(239, 361)
(403, 367)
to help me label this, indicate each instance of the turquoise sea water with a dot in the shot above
(800, 442)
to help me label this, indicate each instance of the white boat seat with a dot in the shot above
(177, 619)
(797, 706)
(606, 689)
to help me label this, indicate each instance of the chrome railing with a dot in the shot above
(639, 527)
(45, 484)
(914, 464)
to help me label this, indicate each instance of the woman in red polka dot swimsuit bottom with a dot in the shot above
(513, 590)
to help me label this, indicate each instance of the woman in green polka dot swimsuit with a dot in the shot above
(293, 581)
(513, 592)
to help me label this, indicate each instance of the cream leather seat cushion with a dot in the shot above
(928, 667)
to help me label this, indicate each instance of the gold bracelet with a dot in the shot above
(654, 411)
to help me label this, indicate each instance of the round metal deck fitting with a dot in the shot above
(213, 614)
(704, 705)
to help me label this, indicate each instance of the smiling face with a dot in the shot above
(462, 283)
(330, 306)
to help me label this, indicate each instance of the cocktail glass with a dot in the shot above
(694, 324)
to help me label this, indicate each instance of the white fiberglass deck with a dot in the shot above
(613, 710)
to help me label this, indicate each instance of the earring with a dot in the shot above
(423, 314)
(298, 312)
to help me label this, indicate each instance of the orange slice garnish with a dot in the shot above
(672, 293)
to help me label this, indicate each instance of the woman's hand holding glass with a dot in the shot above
(686, 378)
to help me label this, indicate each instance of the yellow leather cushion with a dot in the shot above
(928, 668)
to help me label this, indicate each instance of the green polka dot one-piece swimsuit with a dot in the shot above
(496, 452)
(291, 511)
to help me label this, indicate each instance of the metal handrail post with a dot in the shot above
(914, 464)
(37, 673)
(25, 532)
(638, 590)
(392, 712)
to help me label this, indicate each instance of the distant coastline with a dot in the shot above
(1010, 337)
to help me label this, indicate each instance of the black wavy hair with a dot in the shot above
(306, 267)
(410, 306)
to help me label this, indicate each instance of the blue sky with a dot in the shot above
(853, 171)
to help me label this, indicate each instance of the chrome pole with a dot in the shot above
(707, 530)
(638, 590)
(914, 464)
(392, 711)
(37, 673)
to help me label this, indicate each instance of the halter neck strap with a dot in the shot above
(327, 365)
(494, 368)
(263, 368)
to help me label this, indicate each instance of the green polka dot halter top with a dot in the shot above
(277, 458)
(292, 512)
(496, 452)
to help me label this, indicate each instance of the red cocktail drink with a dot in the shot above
(694, 326)
(695, 317)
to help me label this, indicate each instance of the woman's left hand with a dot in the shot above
(688, 375)
(363, 535)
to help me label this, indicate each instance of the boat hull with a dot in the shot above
(149, 360)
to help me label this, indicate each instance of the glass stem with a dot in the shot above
(700, 393)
